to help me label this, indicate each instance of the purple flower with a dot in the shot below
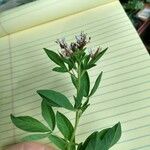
(82, 40)
(66, 51)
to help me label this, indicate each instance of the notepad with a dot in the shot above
(124, 92)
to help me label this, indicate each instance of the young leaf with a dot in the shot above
(30, 124)
(97, 57)
(35, 137)
(48, 114)
(59, 142)
(54, 57)
(85, 84)
(60, 69)
(55, 97)
(96, 84)
(64, 125)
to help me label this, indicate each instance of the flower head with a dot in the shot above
(66, 50)
(62, 43)
(82, 40)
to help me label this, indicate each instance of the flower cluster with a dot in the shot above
(67, 50)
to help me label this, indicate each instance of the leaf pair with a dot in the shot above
(57, 60)
(66, 128)
(30, 124)
(102, 140)
(85, 88)
(85, 84)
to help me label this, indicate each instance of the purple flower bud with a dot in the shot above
(62, 43)
(81, 40)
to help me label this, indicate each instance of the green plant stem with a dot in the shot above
(78, 114)
(72, 140)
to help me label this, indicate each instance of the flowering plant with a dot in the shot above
(72, 59)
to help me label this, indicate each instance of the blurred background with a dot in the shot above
(8, 4)
(137, 10)
(139, 14)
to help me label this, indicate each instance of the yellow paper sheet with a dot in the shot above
(124, 91)
(42, 11)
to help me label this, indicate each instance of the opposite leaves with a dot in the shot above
(30, 124)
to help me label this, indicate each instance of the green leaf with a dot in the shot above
(95, 143)
(102, 133)
(89, 66)
(103, 140)
(74, 80)
(30, 124)
(60, 69)
(54, 57)
(59, 142)
(92, 145)
(56, 98)
(97, 57)
(48, 114)
(113, 135)
(96, 85)
(51, 103)
(35, 137)
(85, 84)
(64, 125)
(87, 141)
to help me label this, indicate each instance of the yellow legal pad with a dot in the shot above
(124, 93)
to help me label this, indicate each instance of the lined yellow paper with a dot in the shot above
(42, 11)
(125, 89)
